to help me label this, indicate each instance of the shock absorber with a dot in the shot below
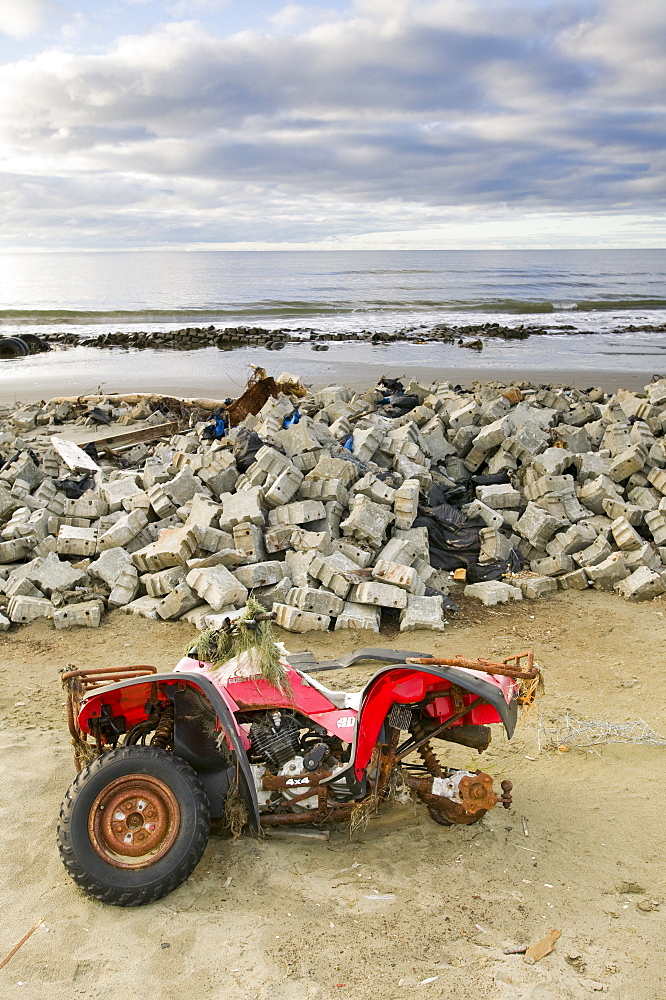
(426, 751)
(163, 735)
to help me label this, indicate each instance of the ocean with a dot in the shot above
(586, 301)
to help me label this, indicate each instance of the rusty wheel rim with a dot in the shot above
(134, 821)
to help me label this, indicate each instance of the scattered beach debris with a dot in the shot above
(20, 944)
(581, 733)
(542, 948)
(336, 509)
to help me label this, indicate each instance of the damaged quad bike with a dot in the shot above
(241, 731)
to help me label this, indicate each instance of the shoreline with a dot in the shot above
(219, 374)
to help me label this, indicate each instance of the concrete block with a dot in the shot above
(573, 581)
(422, 613)
(28, 609)
(553, 565)
(302, 512)
(501, 461)
(183, 487)
(374, 489)
(382, 594)
(276, 593)
(123, 531)
(647, 555)
(491, 518)
(552, 486)
(406, 503)
(534, 587)
(204, 512)
(319, 541)
(56, 574)
(656, 525)
(162, 583)
(298, 438)
(84, 615)
(360, 556)
(321, 602)
(398, 575)
(330, 522)
(593, 493)
(358, 617)
(493, 592)
(537, 526)
(526, 442)
(247, 505)
(324, 490)
(5, 623)
(330, 570)
(595, 553)
(366, 441)
(400, 550)
(295, 620)
(494, 545)
(574, 439)
(124, 589)
(627, 462)
(262, 574)
(21, 587)
(115, 492)
(642, 585)
(657, 478)
(625, 536)
(285, 487)
(492, 435)
(617, 508)
(367, 521)
(298, 565)
(179, 601)
(335, 468)
(217, 587)
(249, 540)
(498, 497)
(110, 564)
(278, 538)
(15, 549)
(606, 574)
(173, 548)
(86, 506)
(574, 539)
(144, 607)
(76, 541)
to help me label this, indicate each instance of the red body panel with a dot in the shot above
(401, 685)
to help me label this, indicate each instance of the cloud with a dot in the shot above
(22, 18)
(400, 112)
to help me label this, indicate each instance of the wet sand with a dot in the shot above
(218, 374)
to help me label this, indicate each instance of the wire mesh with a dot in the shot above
(592, 732)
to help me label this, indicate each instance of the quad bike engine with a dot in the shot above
(275, 740)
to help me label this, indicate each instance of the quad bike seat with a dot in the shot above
(305, 664)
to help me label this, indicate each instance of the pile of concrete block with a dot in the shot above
(319, 525)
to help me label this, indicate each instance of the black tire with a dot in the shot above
(13, 347)
(92, 848)
(34, 343)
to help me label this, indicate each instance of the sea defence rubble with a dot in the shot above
(335, 509)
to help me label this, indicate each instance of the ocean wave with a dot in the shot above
(249, 312)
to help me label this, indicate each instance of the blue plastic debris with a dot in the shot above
(293, 419)
(349, 443)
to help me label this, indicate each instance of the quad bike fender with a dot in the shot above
(409, 683)
(202, 714)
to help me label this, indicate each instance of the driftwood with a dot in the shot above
(132, 398)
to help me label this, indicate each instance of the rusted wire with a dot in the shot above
(503, 669)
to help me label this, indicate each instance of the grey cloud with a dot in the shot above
(517, 107)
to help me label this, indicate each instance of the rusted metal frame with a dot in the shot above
(99, 676)
(503, 669)
(407, 748)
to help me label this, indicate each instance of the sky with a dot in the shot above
(387, 124)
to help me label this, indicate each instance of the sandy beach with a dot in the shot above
(405, 900)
